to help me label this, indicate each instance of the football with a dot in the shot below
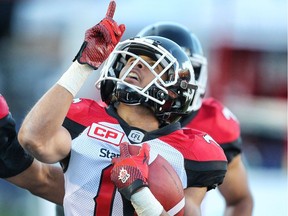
(165, 184)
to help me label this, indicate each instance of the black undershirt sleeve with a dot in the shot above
(13, 158)
(208, 174)
(232, 149)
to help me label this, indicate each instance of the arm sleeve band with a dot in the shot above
(74, 77)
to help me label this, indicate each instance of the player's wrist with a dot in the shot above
(145, 203)
(132, 188)
(74, 78)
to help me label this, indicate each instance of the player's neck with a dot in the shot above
(138, 116)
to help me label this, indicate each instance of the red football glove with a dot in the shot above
(130, 172)
(100, 40)
(4, 109)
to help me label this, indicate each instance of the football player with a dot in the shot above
(213, 117)
(148, 84)
(21, 169)
(147, 89)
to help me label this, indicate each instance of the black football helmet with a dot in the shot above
(190, 44)
(169, 98)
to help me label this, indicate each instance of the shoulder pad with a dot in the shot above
(85, 111)
(208, 165)
(217, 120)
(203, 147)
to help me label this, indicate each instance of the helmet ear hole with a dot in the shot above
(118, 67)
(106, 86)
(197, 71)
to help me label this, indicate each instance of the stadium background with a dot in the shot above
(246, 45)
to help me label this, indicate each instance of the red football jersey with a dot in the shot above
(97, 132)
(219, 122)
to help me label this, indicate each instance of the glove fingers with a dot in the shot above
(111, 9)
(144, 152)
(122, 28)
(124, 151)
(115, 160)
(114, 30)
(104, 31)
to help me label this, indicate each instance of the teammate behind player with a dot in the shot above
(19, 168)
(148, 84)
(214, 118)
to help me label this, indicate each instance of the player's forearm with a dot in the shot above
(43, 123)
(241, 210)
(53, 184)
(145, 203)
(192, 209)
(42, 133)
(193, 199)
(45, 181)
(243, 207)
(47, 116)
(235, 189)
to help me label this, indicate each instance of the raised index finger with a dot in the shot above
(111, 9)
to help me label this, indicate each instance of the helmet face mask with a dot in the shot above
(192, 47)
(172, 77)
